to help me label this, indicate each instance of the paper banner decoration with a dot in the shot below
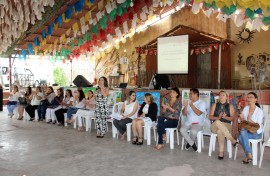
(191, 51)
(36, 41)
(24, 53)
(216, 46)
(203, 50)
(210, 49)
(68, 13)
(43, 34)
(108, 7)
(196, 8)
(30, 48)
(50, 29)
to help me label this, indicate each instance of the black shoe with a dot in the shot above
(140, 143)
(31, 119)
(187, 146)
(50, 121)
(245, 162)
(194, 146)
(235, 144)
(135, 141)
(220, 157)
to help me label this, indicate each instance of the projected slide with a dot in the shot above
(173, 55)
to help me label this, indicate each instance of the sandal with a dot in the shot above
(245, 162)
(164, 137)
(235, 144)
(20, 118)
(80, 129)
(140, 141)
(135, 140)
(159, 147)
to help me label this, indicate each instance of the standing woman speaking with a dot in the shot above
(101, 111)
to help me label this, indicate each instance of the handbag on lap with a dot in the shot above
(249, 126)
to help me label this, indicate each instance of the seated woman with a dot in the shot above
(128, 112)
(28, 101)
(35, 98)
(78, 103)
(252, 113)
(88, 111)
(55, 105)
(45, 102)
(147, 115)
(170, 116)
(13, 100)
(222, 113)
(67, 102)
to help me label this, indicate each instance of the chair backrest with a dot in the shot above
(117, 107)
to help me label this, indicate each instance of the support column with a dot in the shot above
(219, 64)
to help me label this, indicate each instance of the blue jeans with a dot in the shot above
(41, 111)
(163, 123)
(244, 137)
(71, 111)
(11, 108)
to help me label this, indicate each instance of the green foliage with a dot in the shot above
(59, 76)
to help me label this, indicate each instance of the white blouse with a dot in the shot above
(129, 108)
(14, 97)
(145, 108)
(79, 104)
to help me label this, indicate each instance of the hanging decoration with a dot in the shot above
(15, 17)
(101, 26)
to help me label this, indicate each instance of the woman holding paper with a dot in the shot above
(127, 114)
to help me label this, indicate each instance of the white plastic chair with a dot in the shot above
(254, 143)
(147, 132)
(265, 144)
(116, 109)
(200, 141)
(27, 117)
(212, 145)
(88, 121)
(170, 136)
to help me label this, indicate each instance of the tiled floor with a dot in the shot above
(40, 149)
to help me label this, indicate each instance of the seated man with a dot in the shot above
(194, 111)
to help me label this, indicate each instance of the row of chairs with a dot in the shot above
(170, 136)
(200, 140)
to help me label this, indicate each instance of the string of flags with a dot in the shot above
(101, 26)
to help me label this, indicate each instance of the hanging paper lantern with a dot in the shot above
(150, 52)
(155, 52)
(146, 52)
